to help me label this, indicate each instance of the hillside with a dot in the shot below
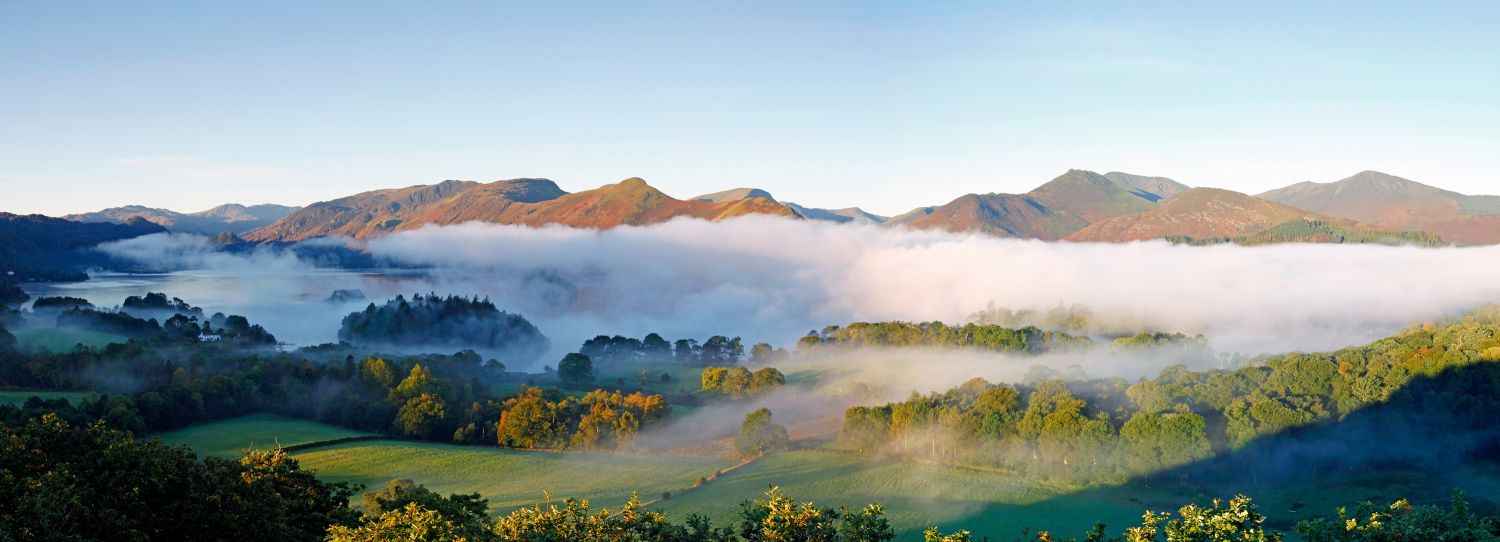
(841, 216)
(1050, 212)
(36, 247)
(233, 218)
(1208, 215)
(530, 202)
(1397, 203)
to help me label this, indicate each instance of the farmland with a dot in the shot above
(228, 438)
(64, 340)
(509, 479)
(18, 397)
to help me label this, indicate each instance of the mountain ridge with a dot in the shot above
(1203, 214)
(1395, 202)
(528, 202)
(230, 217)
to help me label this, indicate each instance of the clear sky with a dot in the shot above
(186, 105)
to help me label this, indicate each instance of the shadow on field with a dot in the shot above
(1434, 435)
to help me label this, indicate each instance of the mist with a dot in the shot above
(773, 280)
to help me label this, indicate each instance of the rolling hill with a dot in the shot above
(36, 247)
(530, 202)
(1397, 203)
(233, 218)
(1212, 215)
(1050, 212)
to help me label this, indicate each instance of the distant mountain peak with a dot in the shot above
(735, 194)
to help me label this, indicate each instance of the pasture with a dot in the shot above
(228, 438)
(60, 340)
(510, 479)
(19, 397)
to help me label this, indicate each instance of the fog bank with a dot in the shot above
(770, 279)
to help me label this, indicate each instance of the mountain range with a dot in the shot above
(232, 218)
(36, 247)
(1079, 205)
(1394, 202)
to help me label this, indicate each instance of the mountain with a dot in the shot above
(233, 218)
(841, 216)
(1210, 215)
(1152, 188)
(36, 247)
(530, 202)
(734, 194)
(910, 216)
(1050, 212)
(1394, 202)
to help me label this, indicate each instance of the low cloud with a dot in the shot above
(773, 280)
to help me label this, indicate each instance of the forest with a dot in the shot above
(1029, 339)
(652, 349)
(447, 322)
(1437, 376)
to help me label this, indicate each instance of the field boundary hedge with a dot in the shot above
(334, 442)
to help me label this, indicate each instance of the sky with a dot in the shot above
(884, 105)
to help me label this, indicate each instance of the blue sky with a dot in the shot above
(186, 105)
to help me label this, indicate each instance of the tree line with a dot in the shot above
(429, 397)
(451, 321)
(1109, 429)
(997, 338)
(618, 350)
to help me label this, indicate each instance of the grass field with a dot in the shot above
(915, 496)
(228, 438)
(509, 479)
(63, 340)
(18, 397)
(684, 380)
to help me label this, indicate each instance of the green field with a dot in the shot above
(63, 340)
(509, 479)
(229, 438)
(685, 380)
(18, 397)
(915, 496)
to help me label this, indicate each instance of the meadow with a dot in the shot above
(19, 397)
(510, 479)
(60, 340)
(231, 437)
(915, 496)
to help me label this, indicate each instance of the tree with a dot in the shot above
(419, 382)
(531, 421)
(865, 428)
(655, 349)
(410, 523)
(421, 416)
(737, 382)
(712, 379)
(758, 435)
(575, 370)
(1151, 441)
(63, 481)
(1238, 521)
(761, 353)
(378, 372)
(765, 380)
(468, 514)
